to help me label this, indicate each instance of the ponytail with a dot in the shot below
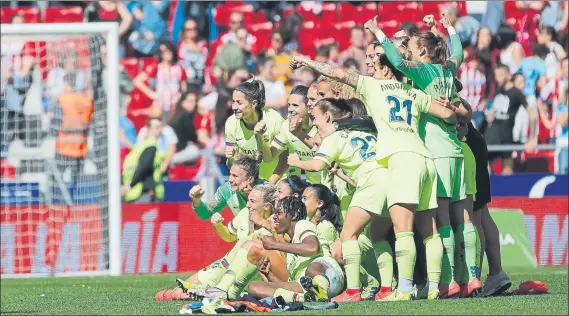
(254, 90)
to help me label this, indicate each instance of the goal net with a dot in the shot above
(60, 202)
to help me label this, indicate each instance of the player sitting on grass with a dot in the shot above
(244, 226)
(313, 273)
(236, 271)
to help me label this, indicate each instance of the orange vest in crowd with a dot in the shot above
(77, 112)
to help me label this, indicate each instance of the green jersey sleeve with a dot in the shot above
(414, 70)
(456, 54)
(217, 203)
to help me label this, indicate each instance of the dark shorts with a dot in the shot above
(477, 144)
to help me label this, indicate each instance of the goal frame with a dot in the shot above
(109, 31)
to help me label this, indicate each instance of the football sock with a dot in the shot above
(434, 254)
(405, 253)
(289, 296)
(352, 257)
(323, 282)
(447, 271)
(384, 262)
(238, 272)
(471, 252)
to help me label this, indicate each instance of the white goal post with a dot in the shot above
(40, 230)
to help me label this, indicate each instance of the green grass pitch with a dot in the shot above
(135, 295)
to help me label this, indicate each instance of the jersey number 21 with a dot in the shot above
(396, 108)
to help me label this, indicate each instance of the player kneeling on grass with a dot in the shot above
(313, 273)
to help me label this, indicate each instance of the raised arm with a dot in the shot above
(218, 203)
(335, 73)
(312, 165)
(408, 68)
(456, 51)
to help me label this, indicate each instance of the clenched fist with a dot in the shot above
(296, 62)
(371, 25)
(260, 128)
(216, 219)
(229, 152)
(294, 123)
(429, 20)
(196, 192)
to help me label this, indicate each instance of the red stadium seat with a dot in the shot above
(261, 31)
(30, 14)
(7, 171)
(63, 15)
(541, 161)
(130, 66)
(400, 11)
(328, 13)
(183, 172)
(360, 14)
(389, 27)
(222, 12)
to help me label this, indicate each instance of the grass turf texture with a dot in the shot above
(135, 295)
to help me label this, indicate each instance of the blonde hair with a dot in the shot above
(340, 89)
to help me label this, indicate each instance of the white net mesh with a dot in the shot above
(54, 209)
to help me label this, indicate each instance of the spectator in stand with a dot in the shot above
(351, 65)
(109, 11)
(551, 11)
(291, 26)
(409, 28)
(552, 100)
(554, 89)
(279, 56)
(15, 83)
(182, 121)
(333, 54)
(192, 53)
(545, 36)
(322, 54)
(142, 180)
(275, 91)
(171, 79)
(356, 51)
(487, 44)
(561, 134)
(501, 117)
(532, 68)
(236, 20)
(466, 26)
(167, 142)
(511, 51)
(472, 75)
(149, 27)
(67, 64)
(242, 34)
(224, 86)
(71, 122)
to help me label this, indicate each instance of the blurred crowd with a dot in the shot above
(180, 62)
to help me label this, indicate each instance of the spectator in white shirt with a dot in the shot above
(545, 36)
